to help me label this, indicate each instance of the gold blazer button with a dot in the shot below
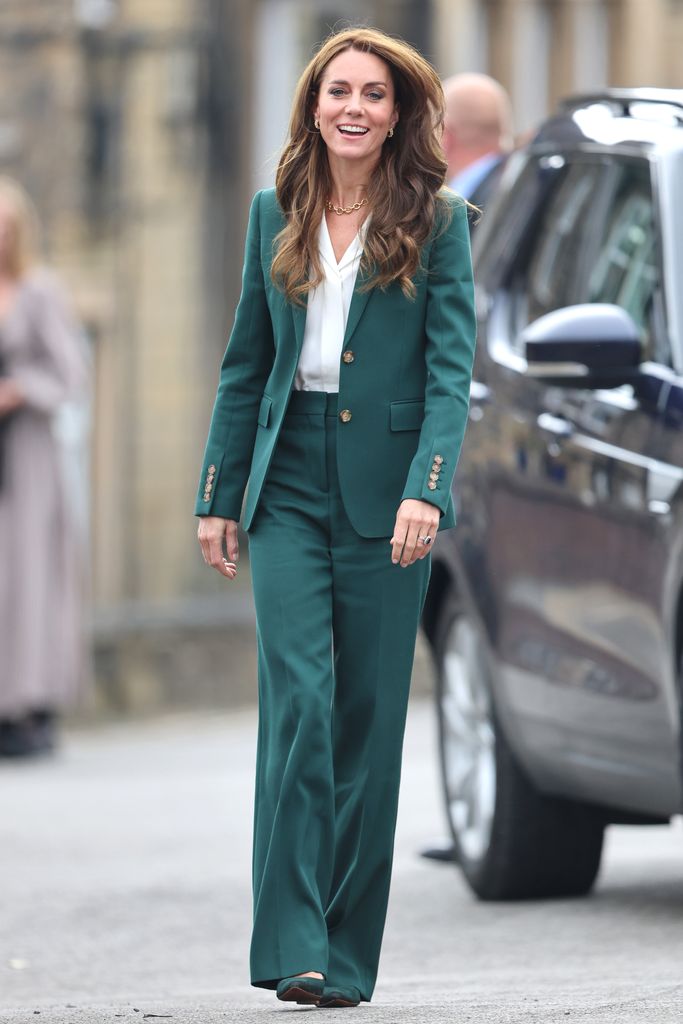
(431, 485)
(211, 469)
(434, 477)
(348, 356)
(345, 415)
(438, 459)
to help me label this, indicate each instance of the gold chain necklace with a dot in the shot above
(345, 209)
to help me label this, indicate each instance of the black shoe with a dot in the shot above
(24, 737)
(300, 990)
(339, 995)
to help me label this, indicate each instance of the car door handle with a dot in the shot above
(479, 392)
(480, 395)
(555, 425)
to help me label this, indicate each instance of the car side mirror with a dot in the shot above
(590, 345)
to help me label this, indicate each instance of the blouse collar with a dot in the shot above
(353, 252)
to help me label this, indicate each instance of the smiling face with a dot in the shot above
(356, 106)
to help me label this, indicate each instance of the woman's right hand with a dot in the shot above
(213, 533)
(11, 396)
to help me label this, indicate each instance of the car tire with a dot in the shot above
(511, 841)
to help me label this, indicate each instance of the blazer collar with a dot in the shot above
(353, 251)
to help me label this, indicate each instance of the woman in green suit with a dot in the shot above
(342, 402)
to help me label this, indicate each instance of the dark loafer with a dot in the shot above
(339, 995)
(300, 990)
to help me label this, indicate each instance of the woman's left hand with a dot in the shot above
(414, 519)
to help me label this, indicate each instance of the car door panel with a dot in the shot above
(575, 549)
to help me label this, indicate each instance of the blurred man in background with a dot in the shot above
(477, 135)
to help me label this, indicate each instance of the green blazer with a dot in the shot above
(406, 383)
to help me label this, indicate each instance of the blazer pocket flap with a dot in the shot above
(407, 415)
(264, 411)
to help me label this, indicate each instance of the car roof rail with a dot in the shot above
(625, 99)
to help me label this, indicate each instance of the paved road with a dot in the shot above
(125, 893)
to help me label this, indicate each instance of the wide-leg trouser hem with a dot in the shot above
(270, 986)
(272, 983)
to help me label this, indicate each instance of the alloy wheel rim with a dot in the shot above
(468, 740)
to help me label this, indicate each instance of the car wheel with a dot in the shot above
(511, 841)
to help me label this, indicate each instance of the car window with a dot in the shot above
(508, 228)
(555, 271)
(627, 270)
(590, 237)
(552, 270)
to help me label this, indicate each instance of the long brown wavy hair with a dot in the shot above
(404, 192)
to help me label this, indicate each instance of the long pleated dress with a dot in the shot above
(41, 537)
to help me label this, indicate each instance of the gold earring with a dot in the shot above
(316, 124)
(390, 133)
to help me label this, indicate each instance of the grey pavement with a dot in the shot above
(125, 897)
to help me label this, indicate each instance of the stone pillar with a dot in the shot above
(149, 456)
(590, 44)
(460, 37)
(278, 64)
(525, 29)
(674, 48)
(638, 32)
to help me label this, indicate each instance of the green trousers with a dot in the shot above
(336, 629)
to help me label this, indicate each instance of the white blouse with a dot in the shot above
(327, 313)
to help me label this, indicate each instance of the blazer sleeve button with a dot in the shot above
(431, 485)
(438, 459)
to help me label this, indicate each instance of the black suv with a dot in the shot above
(555, 612)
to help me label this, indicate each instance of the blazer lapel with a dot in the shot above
(299, 317)
(359, 301)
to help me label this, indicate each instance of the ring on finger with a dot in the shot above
(425, 540)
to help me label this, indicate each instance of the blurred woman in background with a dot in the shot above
(42, 367)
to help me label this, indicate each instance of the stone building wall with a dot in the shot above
(141, 127)
(542, 50)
